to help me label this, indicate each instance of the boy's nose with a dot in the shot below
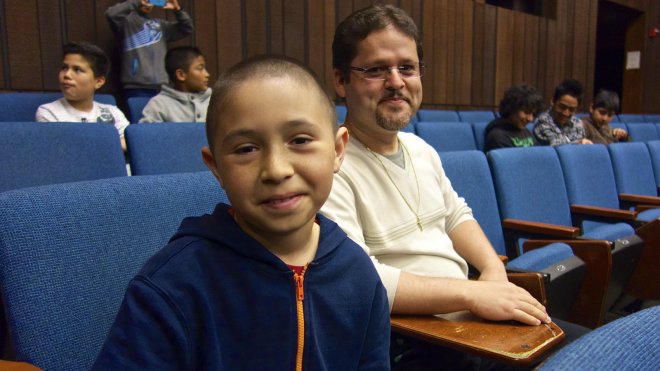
(276, 167)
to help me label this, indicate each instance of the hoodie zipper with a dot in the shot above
(300, 295)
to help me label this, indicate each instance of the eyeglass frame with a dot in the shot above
(420, 67)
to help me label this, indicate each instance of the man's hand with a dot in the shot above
(500, 301)
(619, 133)
(172, 5)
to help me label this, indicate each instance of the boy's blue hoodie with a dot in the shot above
(216, 299)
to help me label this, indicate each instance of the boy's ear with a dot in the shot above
(341, 139)
(209, 161)
(180, 75)
(340, 83)
(99, 82)
(591, 108)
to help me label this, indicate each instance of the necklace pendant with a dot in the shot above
(419, 224)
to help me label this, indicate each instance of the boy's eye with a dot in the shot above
(301, 140)
(243, 150)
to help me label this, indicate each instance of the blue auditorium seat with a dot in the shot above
(633, 170)
(631, 117)
(22, 106)
(447, 136)
(166, 147)
(654, 151)
(68, 251)
(652, 118)
(45, 153)
(341, 113)
(642, 131)
(479, 130)
(136, 106)
(476, 116)
(619, 125)
(437, 115)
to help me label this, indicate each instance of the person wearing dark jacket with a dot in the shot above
(268, 283)
(520, 104)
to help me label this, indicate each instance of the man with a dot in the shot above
(559, 125)
(392, 196)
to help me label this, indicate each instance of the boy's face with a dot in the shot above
(521, 118)
(196, 79)
(601, 116)
(275, 155)
(563, 109)
(391, 103)
(77, 80)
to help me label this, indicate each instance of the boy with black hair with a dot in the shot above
(84, 70)
(559, 125)
(267, 283)
(144, 43)
(186, 98)
(601, 112)
(520, 104)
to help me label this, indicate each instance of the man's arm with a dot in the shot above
(472, 244)
(182, 27)
(116, 14)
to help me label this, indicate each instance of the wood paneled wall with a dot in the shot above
(473, 51)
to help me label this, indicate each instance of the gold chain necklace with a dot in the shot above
(414, 211)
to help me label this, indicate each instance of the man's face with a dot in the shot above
(196, 79)
(382, 104)
(563, 109)
(601, 116)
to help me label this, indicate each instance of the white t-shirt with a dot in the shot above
(61, 111)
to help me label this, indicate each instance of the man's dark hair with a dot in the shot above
(521, 97)
(95, 56)
(359, 25)
(180, 57)
(569, 87)
(261, 68)
(606, 99)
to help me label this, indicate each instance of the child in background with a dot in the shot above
(267, 283)
(144, 43)
(601, 112)
(186, 98)
(84, 70)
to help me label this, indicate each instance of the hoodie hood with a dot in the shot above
(222, 230)
(184, 97)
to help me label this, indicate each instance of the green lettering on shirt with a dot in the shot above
(523, 142)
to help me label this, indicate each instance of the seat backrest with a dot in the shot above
(470, 177)
(165, 147)
(341, 113)
(136, 106)
(652, 118)
(631, 117)
(22, 106)
(476, 116)
(629, 343)
(479, 131)
(529, 184)
(588, 175)
(633, 171)
(437, 115)
(68, 251)
(447, 136)
(654, 151)
(35, 154)
(642, 132)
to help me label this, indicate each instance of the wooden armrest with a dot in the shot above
(647, 271)
(504, 259)
(509, 342)
(17, 366)
(639, 207)
(537, 228)
(533, 282)
(639, 199)
(604, 212)
(589, 308)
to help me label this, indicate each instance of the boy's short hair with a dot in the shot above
(606, 99)
(359, 25)
(95, 56)
(180, 57)
(259, 68)
(520, 97)
(569, 87)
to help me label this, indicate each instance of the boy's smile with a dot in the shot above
(275, 155)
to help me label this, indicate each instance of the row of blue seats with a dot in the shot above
(36, 222)
(22, 106)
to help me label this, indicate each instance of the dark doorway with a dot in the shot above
(612, 37)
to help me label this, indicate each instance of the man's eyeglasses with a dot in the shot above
(381, 73)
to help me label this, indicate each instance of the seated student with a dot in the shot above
(559, 125)
(601, 113)
(267, 283)
(187, 97)
(84, 70)
(517, 108)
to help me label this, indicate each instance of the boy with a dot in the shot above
(559, 125)
(266, 283)
(518, 107)
(187, 97)
(601, 112)
(145, 43)
(84, 70)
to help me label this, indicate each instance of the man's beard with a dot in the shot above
(393, 121)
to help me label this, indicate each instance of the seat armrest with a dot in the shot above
(532, 282)
(516, 228)
(17, 366)
(604, 212)
(628, 200)
(589, 308)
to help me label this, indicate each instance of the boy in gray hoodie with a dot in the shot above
(186, 98)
